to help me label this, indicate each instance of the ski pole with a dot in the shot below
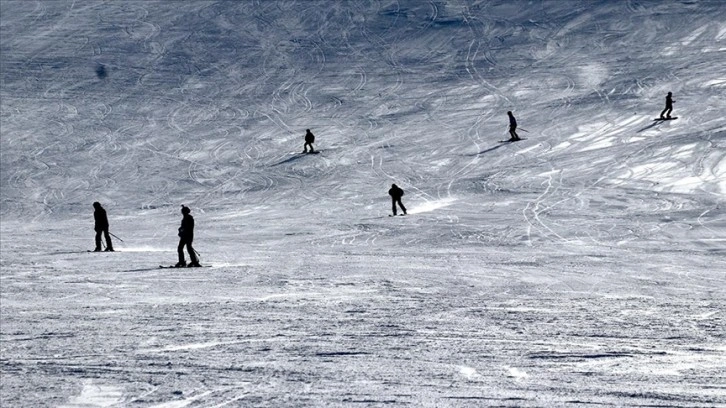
(519, 128)
(113, 235)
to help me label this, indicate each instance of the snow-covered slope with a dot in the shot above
(584, 264)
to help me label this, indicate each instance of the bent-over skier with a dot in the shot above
(101, 227)
(186, 236)
(396, 193)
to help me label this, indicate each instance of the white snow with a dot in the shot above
(95, 395)
(584, 265)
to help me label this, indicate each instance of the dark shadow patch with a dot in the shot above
(370, 401)
(577, 356)
(475, 398)
(290, 159)
(296, 157)
(449, 22)
(394, 13)
(650, 126)
(341, 353)
(486, 150)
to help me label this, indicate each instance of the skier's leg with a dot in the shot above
(393, 205)
(180, 251)
(192, 254)
(109, 245)
(668, 114)
(98, 241)
(663, 113)
(513, 133)
(402, 207)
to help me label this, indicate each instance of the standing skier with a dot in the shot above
(309, 139)
(396, 193)
(512, 127)
(101, 227)
(669, 107)
(186, 236)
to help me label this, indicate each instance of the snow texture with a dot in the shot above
(584, 265)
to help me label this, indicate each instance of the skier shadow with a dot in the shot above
(654, 124)
(69, 252)
(145, 269)
(487, 150)
(290, 159)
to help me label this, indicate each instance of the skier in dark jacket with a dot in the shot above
(396, 193)
(512, 127)
(309, 140)
(668, 107)
(186, 236)
(101, 227)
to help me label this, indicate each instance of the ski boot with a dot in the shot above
(109, 249)
(194, 264)
(180, 264)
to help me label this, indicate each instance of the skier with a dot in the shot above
(396, 193)
(101, 227)
(309, 139)
(512, 127)
(668, 107)
(186, 236)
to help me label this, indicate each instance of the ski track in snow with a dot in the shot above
(583, 265)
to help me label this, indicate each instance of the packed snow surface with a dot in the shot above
(584, 265)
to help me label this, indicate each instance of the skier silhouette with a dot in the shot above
(309, 139)
(101, 227)
(396, 193)
(512, 127)
(186, 236)
(101, 71)
(669, 106)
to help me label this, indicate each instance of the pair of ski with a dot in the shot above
(659, 119)
(511, 141)
(183, 267)
(160, 266)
